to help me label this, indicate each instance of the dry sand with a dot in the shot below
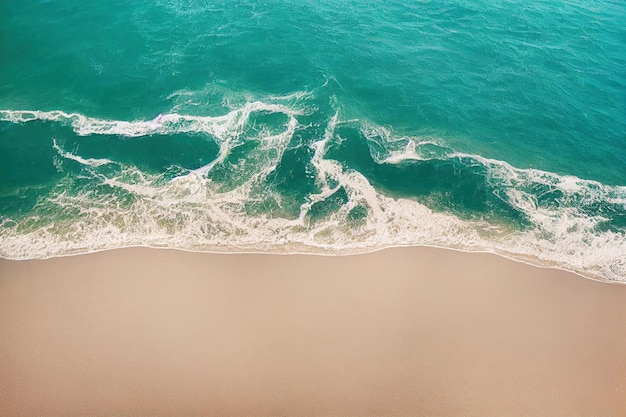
(407, 331)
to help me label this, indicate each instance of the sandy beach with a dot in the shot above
(400, 332)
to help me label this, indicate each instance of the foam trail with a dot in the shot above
(325, 169)
(219, 127)
(565, 233)
(233, 124)
(92, 162)
(392, 149)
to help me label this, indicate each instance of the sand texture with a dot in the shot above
(400, 332)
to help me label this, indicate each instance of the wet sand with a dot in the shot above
(406, 331)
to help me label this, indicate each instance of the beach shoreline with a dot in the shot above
(333, 252)
(400, 331)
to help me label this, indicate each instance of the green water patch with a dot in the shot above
(240, 164)
(266, 123)
(616, 222)
(263, 207)
(445, 185)
(29, 166)
(27, 157)
(321, 209)
(294, 177)
(17, 203)
(613, 213)
(358, 215)
(153, 154)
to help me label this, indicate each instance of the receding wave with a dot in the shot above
(282, 180)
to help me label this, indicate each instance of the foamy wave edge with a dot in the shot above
(315, 252)
(385, 228)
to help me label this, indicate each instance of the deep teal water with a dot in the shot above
(316, 126)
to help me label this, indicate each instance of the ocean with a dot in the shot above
(329, 127)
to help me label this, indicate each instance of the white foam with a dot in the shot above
(191, 212)
(220, 127)
(92, 162)
(392, 149)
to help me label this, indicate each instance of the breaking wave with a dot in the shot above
(291, 177)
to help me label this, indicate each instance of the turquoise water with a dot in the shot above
(316, 126)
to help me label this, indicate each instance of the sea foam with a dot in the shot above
(127, 207)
